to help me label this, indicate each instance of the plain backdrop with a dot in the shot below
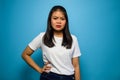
(96, 23)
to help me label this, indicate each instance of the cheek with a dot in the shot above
(52, 22)
(64, 23)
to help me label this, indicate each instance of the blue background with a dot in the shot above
(96, 23)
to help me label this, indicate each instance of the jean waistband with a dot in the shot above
(55, 76)
(61, 74)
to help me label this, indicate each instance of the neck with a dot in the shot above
(58, 34)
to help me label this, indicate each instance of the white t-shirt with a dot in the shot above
(59, 57)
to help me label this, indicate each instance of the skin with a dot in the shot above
(26, 56)
(75, 62)
(58, 18)
(58, 22)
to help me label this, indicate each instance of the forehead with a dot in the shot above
(58, 13)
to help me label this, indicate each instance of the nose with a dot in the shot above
(58, 21)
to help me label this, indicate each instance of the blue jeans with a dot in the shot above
(54, 76)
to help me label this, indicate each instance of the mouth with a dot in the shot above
(58, 26)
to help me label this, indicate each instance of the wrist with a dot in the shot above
(40, 71)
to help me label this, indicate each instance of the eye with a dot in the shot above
(62, 18)
(54, 18)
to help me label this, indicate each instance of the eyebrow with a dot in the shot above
(58, 16)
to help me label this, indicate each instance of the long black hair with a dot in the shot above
(49, 36)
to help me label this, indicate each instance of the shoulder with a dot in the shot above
(73, 37)
(41, 34)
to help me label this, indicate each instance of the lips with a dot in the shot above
(58, 26)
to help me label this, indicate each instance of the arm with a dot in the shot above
(26, 56)
(75, 62)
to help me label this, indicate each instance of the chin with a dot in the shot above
(58, 30)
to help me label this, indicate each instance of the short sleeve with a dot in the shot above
(76, 50)
(36, 42)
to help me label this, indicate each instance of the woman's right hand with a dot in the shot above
(46, 67)
(26, 56)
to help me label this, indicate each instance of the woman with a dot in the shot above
(60, 49)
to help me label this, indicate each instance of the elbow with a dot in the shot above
(76, 67)
(27, 53)
(23, 56)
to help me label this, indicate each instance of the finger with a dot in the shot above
(43, 70)
(47, 71)
(47, 63)
(48, 68)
